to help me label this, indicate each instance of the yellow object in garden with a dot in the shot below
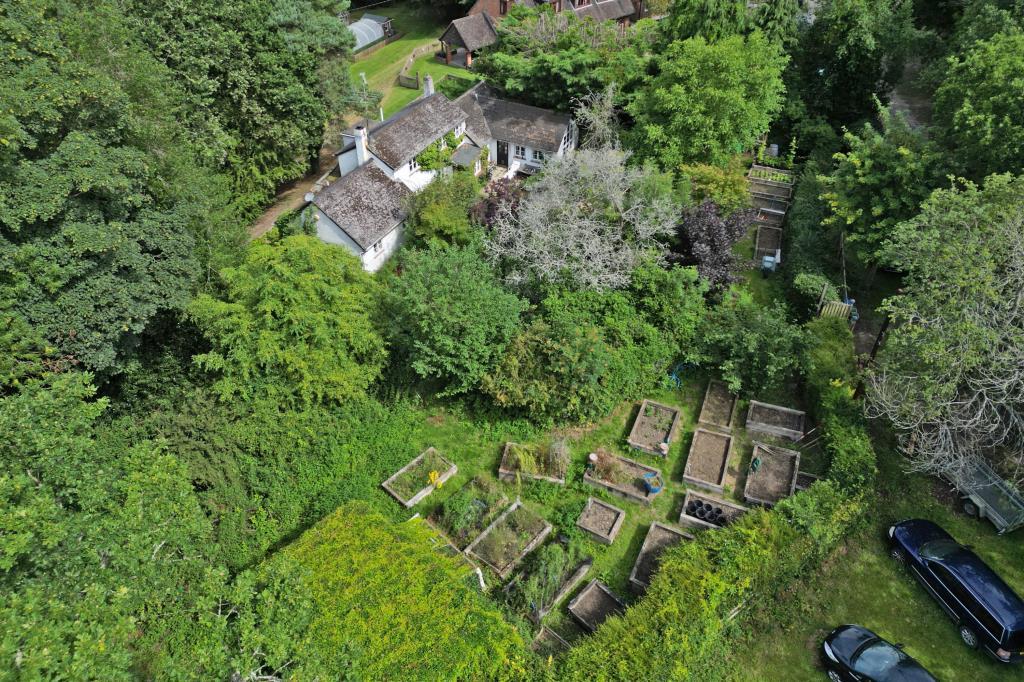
(435, 479)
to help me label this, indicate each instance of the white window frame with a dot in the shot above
(378, 246)
(519, 152)
(539, 156)
(413, 166)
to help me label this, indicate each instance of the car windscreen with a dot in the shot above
(875, 660)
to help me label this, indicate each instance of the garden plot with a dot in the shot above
(659, 538)
(549, 575)
(512, 536)
(624, 477)
(704, 511)
(420, 477)
(767, 241)
(708, 461)
(775, 420)
(538, 463)
(601, 520)
(465, 514)
(719, 406)
(594, 605)
(654, 428)
(772, 475)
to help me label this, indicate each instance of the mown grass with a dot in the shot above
(861, 584)
(419, 26)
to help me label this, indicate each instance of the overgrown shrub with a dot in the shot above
(440, 212)
(806, 289)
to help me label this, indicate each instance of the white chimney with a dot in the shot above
(428, 85)
(362, 153)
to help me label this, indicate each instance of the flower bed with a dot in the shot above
(420, 477)
(713, 512)
(465, 514)
(708, 461)
(601, 520)
(718, 407)
(622, 476)
(541, 464)
(775, 478)
(659, 538)
(654, 428)
(512, 536)
(775, 420)
(594, 605)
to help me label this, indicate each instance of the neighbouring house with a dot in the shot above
(519, 138)
(378, 166)
(370, 30)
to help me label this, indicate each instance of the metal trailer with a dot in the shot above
(988, 496)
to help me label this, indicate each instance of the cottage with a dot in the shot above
(622, 11)
(379, 168)
(519, 138)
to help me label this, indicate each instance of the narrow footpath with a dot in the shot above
(292, 195)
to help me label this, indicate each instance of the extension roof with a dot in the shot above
(365, 203)
(489, 117)
(606, 10)
(473, 32)
(414, 128)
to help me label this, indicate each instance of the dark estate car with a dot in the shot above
(855, 653)
(988, 613)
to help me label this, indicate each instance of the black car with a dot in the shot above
(855, 653)
(988, 612)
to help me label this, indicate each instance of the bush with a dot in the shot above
(805, 292)
(726, 187)
(853, 457)
(440, 212)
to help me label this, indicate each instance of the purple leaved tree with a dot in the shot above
(706, 238)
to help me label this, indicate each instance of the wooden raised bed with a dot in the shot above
(568, 586)
(775, 420)
(508, 540)
(775, 479)
(630, 483)
(718, 407)
(805, 480)
(659, 538)
(708, 461)
(730, 510)
(410, 484)
(485, 499)
(549, 642)
(601, 520)
(510, 472)
(654, 428)
(594, 605)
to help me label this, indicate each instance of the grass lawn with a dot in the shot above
(862, 585)
(419, 26)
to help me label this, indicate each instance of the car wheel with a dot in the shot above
(899, 554)
(970, 508)
(970, 639)
(835, 676)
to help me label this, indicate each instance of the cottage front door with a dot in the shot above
(502, 153)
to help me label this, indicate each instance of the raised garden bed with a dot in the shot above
(767, 241)
(775, 420)
(594, 605)
(622, 476)
(712, 512)
(775, 477)
(420, 477)
(512, 536)
(549, 643)
(659, 538)
(528, 461)
(601, 520)
(708, 461)
(465, 514)
(654, 429)
(805, 480)
(718, 407)
(568, 585)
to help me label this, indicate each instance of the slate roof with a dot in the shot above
(603, 10)
(366, 204)
(466, 155)
(414, 128)
(490, 117)
(473, 32)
